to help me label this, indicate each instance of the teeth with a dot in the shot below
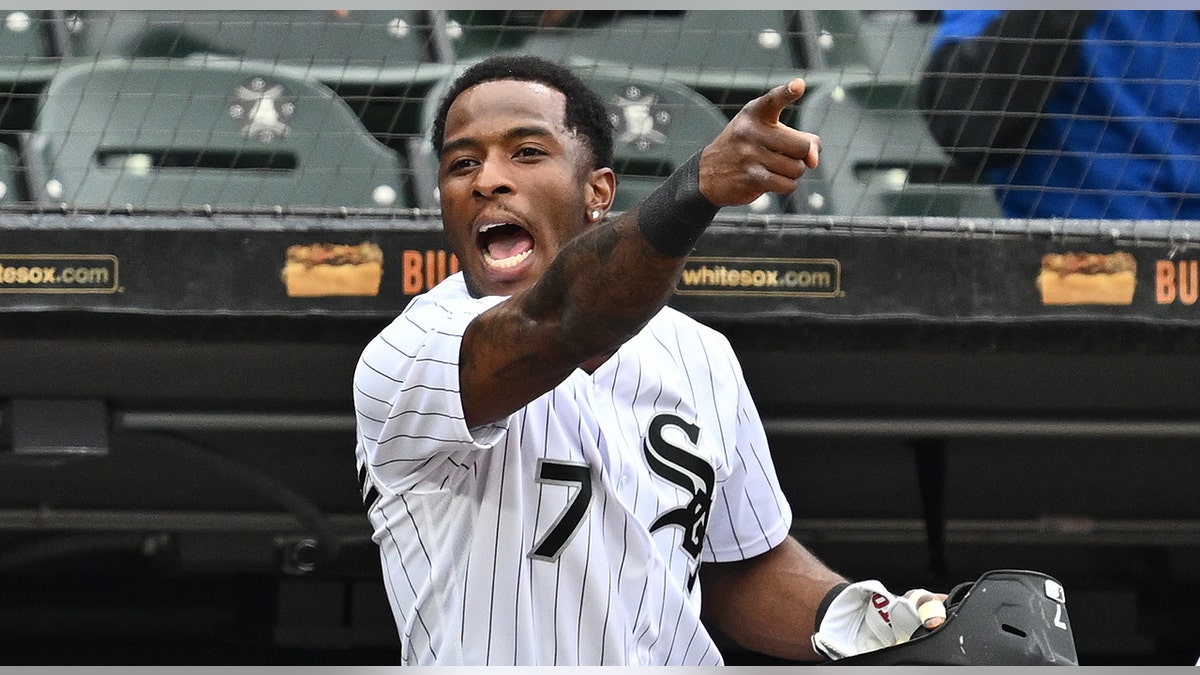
(485, 228)
(506, 263)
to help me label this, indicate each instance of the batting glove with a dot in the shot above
(864, 616)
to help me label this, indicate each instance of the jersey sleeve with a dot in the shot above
(750, 513)
(406, 394)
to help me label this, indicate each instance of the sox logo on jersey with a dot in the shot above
(691, 474)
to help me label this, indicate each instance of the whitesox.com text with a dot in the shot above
(52, 273)
(785, 276)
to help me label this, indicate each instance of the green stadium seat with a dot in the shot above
(728, 57)
(30, 53)
(379, 61)
(834, 39)
(697, 46)
(29, 43)
(476, 33)
(695, 41)
(896, 42)
(345, 45)
(878, 158)
(889, 43)
(658, 125)
(12, 187)
(187, 133)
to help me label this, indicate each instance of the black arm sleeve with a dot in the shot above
(982, 97)
(674, 216)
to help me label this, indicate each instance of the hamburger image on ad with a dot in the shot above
(325, 269)
(1081, 278)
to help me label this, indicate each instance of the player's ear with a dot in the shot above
(600, 190)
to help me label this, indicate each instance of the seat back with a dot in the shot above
(896, 42)
(833, 39)
(29, 42)
(325, 40)
(728, 57)
(30, 53)
(12, 186)
(658, 125)
(761, 41)
(879, 159)
(183, 133)
(888, 43)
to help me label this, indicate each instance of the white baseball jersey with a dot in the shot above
(571, 531)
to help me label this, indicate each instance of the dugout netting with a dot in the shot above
(225, 110)
(244, 110)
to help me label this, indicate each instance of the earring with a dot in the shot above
(596, 214)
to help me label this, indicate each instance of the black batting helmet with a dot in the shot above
(1006, 617)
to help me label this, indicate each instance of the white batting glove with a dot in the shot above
(865, 616)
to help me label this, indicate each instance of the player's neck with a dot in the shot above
(593, 363)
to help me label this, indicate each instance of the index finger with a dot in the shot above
(771, 105)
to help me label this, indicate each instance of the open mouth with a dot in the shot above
(504, 245)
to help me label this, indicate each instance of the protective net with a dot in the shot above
(922, 113)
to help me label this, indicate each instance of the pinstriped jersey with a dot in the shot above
(571, 531)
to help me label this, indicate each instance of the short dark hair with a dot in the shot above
(585, 111)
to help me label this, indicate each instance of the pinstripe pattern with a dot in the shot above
(457, 512)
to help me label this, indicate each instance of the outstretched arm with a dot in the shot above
(605, 284)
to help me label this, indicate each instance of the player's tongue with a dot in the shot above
(507, 246)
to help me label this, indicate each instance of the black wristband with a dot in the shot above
(826, 602)
(674, 216)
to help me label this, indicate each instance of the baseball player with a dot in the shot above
(560, 469)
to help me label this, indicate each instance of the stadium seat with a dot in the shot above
(833, 39)
(658, 125)
(684, 41)
(894, 42)
(185, 133)
(475, 33)
(342, 45)
(728, 57)
(888, 43)
(30, 53)
(30, 43)
(696, 45)
(878, 158)
(12, 188)
(379, 61)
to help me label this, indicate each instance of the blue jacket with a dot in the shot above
(1119, 136)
